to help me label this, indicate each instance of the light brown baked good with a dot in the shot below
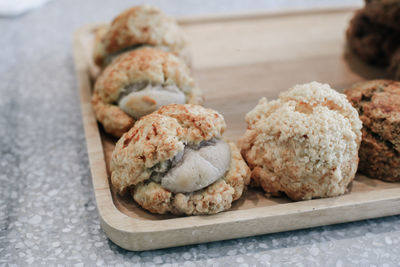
(138, 26)
(138, 83)
(304, 144)
(175, 160)
(378, 103)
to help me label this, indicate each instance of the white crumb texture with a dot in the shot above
(304, 144)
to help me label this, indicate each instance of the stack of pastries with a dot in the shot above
(171, 156)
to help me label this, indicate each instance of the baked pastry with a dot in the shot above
(374, 34)
(385, 12)
(139, 26)
(394, 67)
(372, 42)
(175, 160)
(378, 103)
(304, 144)
(138, 83)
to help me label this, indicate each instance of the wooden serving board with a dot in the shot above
(237, 60)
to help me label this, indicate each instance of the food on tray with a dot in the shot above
(175, 160)
(139, 26)
(138, 83)
(304, 144)
(374, 34)
(378, 103)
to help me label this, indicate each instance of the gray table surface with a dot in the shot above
(48, 213)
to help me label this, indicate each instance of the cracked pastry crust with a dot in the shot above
(304, 144)
(214, 198)
(378, 103)
(158, 138)
(141, 66)
(138, 26)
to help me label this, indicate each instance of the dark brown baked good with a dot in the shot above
(378, 103)
(394, 67)
(378, 159)
(372, 42)
(385, 12)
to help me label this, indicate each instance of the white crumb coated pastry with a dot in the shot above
(138, 83)
(138, 26)
(175, 160)
(304, 144)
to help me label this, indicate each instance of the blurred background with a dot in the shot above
(93, 9)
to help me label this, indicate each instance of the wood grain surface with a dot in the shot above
(238, 60)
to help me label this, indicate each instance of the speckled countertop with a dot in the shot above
(48, 213)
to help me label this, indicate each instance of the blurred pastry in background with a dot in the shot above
(385, 12)
(138, 83)
(304, 144)
(394, 67)
(374, 43)
(378, 104)
(374, 34)
(136, 27)
(175, 160)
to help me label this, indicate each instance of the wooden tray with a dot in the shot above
(237, 60)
